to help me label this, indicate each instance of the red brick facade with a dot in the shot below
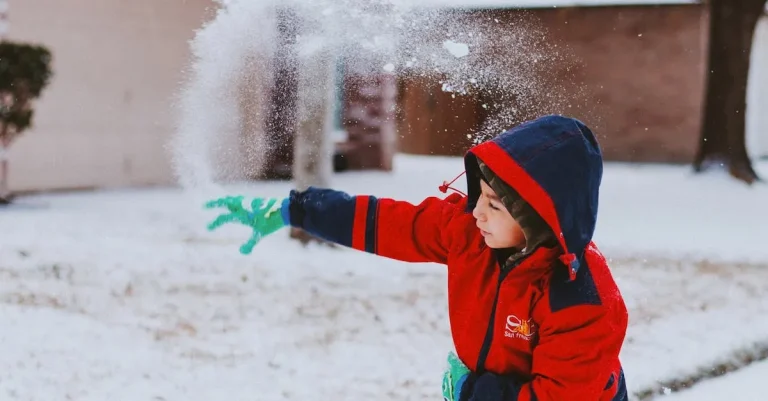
(642, 68)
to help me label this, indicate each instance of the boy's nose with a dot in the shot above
(477, 213)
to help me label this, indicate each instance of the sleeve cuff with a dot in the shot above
(285, 211)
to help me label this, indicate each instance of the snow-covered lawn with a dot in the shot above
(123, 294)
(747, 384)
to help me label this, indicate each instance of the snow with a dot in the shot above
(124, 295)
(744, 385)
(682, 214)
(456, 49)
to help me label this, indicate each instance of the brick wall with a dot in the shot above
(641, 68)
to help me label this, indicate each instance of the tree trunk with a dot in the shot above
(5, 142)
(722, 139)
(5, 194)
(281, 116)
(313, 147)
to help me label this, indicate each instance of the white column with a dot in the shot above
(3, 18)
(3, 144)
(757, 93)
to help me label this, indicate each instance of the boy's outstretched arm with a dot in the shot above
(574, 360)
(386, 227)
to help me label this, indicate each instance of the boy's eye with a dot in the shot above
(494, 207)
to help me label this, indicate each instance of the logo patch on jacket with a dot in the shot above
(518, 328)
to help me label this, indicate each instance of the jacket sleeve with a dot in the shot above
(575, 359)
(386, 227)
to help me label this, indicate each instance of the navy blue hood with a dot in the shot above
(555, 164)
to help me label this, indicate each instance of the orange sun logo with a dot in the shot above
(519, 328)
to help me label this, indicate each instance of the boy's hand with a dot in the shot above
(454, 378)
(264, 217)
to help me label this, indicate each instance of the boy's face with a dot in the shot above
(496, 225)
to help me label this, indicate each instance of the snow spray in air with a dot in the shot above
(222, 103)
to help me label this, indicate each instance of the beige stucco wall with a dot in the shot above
(107, 115)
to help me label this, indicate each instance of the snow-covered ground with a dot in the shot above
(744, 385)
(123, 294)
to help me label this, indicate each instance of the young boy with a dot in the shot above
(534, 311)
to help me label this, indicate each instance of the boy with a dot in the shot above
(534, 311)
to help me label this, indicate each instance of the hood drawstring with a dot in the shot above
(572, 263)
(447, 185)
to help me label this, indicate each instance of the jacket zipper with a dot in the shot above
(486, 348)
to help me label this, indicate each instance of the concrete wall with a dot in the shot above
(106, 117)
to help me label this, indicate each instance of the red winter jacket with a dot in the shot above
(549, 328)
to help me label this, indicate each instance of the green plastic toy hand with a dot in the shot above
(454, 378)
(264, 217)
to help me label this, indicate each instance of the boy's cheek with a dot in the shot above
(493, 242)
